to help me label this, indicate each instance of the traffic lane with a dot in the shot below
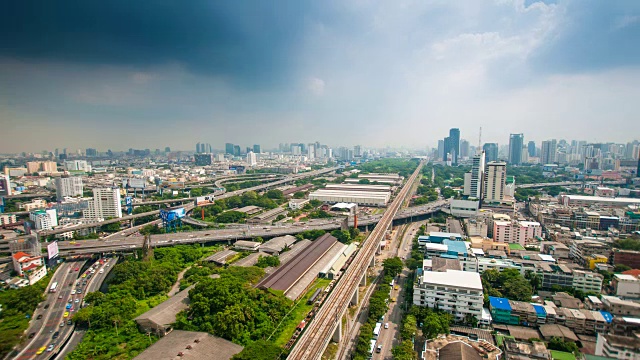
(48, 317)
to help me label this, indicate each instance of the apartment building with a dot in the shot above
(581, 250)
(626, 286)
(517, 232)
(6, 219)
(44, 219)
(617, 306)
(457, 292)
(494, 182)
(618, 347)
(68, 186)
(35, 204)
(587, 281)
(105, 204)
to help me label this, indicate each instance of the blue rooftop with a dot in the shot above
(540, 310)
(448, 256)
(607, 316)
(499, 303)
(456, 247)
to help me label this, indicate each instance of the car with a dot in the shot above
(69, 322)
(32, 335)
(46, 306)
(62, 324)
(101, 271)
(379, 349)
(68, 306)
(60, 296)
(71, 283)
(55, 335)
(84, 275)
(66, 314)
(108, 265)
(72, 308)
(72, 242)
(77, 269)
(41, 350)
(70, 300)
(73, 292)
(39, 317)
(386, 325)
(77, 301)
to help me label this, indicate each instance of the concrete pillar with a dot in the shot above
(354, 298)
(363, 280)
(337, 335)
(373, 261)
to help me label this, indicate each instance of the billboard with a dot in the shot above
(52, 249)
(202, 200)
(134, 183)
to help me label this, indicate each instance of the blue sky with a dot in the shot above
(120, 74)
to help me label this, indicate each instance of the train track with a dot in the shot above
(318, 333)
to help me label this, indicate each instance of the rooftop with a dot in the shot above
(499, 303)
(455, 278)
(165, 313)
(180, 344)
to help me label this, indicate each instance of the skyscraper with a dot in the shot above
(357, 151)
(531, 148)
(228, 148)
(453, 147)
(256, 149)
(105, 204)
(440, 149)
(490, 152)
(548, 152)
(198, 148)
(68, 186)
(464, 149)
(494, 183)
(474, 180)
(251, 158)
(516, 142)
(236, 150)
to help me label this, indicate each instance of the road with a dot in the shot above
(315, 338)
(45, 327)
(93, 284)
(389, 337)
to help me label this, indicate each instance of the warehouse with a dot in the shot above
(367, 198)
(332, 269)
(244, 245)
(277, 244)
(190, 345)
(159, 320)
(358, 187)
(301, 286)
(288, 274)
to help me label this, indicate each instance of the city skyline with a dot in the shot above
(347, 72)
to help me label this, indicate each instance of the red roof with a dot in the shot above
(20, 254)
(30, 267)
(632, 272)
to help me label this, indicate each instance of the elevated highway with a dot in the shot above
(327, 321)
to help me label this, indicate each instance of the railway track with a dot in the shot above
(318, 333)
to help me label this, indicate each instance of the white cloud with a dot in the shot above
(315, 86)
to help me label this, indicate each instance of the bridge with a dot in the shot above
(189, 207)
(327, 324)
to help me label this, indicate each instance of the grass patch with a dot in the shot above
(331, 351)
(298, 314)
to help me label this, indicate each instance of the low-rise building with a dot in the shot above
(619, 307)
(297, 204)
(618, 347)
(457, 292)
(487, 244)
(587, 281)
(626, 286)
(6, 219)
(29, 267)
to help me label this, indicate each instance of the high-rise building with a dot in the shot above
(531, 148)
(256, 149)
(44, 219)
(477, 176)
(515, 148)
(167, 149)
(464, 149)
(490, 152)
(90, 152)
(202, 159)
(452, 146)
(311, 151)
(77, 165)
(251, 158)
(440, 149)
(494, 183)
(638, 169)
(548, 152)
(105, 204)
(357, 151)
(296, 149)
(198, 148)
(236, 150)
(228, 148)
(68, 186)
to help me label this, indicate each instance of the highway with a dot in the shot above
(189, 207)
(51, 312)
(319, 331)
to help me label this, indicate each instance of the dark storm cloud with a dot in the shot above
(250, 42)
(596, 35)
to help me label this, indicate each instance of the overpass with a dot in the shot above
(327, 324)
(569, 183)
(189, 207)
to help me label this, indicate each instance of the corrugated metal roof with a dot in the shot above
(499, 303)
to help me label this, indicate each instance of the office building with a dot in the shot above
(44, 219)
(357, 151)
(495, 181)
(452, 146)
(531, 148)
(202, 159)
(491, 152)
(549, 150)
(516, 142)
(440, 149)
(105, 204)
(457, 292)
(68, 186)
(251, 158)
(77, 165)
(477, 176)
(228, 148)
(167, 149)
(90, 152)
(257, 149)
(236, 150)
(464, 149)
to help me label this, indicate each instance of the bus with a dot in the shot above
(376, 331)
(372, 346)
(54, 286)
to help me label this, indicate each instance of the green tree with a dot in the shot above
(259, 350)
(618, 268)
(559, 344)
(436, 323)
(342, 235)
(517, 289)
(268, 261)
(299, 195)
(392, 266)
(409, 327)
(404, 351)
(364, 181)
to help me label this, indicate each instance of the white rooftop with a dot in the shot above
(545, 257)
(436, 247)
(603, 199)
(626, 277)
(453, 278)
(594, 299)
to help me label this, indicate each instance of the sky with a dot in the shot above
(148, 74)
